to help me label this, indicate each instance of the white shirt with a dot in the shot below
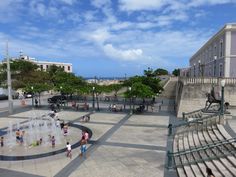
(68, 146)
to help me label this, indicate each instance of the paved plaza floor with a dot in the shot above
(122, 145)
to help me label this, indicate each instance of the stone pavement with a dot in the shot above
(121, 145)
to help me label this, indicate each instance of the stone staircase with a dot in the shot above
(204, 145)
(169, 89)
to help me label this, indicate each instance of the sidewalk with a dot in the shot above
(121, 145)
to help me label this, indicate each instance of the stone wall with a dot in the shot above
(192, 96)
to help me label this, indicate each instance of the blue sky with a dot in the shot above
(112, 37)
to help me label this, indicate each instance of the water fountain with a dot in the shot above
(38, 130)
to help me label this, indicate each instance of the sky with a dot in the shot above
(111, 38)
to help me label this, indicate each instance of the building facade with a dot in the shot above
(44, 65)
(217, 57)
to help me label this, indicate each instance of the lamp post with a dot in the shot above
(93, 98)
(10, 101)
(222, 82)
(61, 95)
(32, 88)
(129, 88)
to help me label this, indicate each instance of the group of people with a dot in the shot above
(83, 145)
(114, 108)
(85, 118)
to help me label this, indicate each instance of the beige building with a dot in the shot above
(44, 65)
(217, 57)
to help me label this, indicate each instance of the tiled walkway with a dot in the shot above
(122, 145)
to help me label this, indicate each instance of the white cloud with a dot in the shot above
(128, 55)
(134, 5)
(41, 9)
(69, 2)
(196, 3)
(100, 35)
(100, 3)
(10, 10)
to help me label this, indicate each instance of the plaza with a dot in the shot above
(121, 145)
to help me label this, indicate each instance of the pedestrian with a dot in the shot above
(36, 102)
(58, 123)
(18, 136)
(22, 133)
(209, 172)
(68, 148)
(65, 129)
(86, 136)
(53, 140)
(2, 141)
(152, 107)
(83, 147)
(62, 124)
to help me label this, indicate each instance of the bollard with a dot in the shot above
(169, 160)
(183, 115)
(170, 129)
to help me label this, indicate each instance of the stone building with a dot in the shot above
(217, 57)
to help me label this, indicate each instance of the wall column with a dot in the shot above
(227, 54)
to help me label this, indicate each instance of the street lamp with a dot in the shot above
(61, 96)
(10, 101)
(129, 88)
(222, 82)
(32, 88)
(93, 98)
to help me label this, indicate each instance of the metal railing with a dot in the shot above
(198, 113)
(216, 150)
(206, 80)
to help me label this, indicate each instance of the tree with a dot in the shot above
(176, 72)
(160, 71)
(149, 72)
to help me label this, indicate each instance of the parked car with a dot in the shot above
(4, 94)
(28, 95)
(57, 99)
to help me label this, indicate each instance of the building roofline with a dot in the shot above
(49, 62)
(226, 27)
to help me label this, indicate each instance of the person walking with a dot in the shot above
(2, 141)
(68, 147)
(53, 140)
(83, 147)
(209, 172)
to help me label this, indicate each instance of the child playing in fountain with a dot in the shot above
(68, 147)
(53, 140)
(22, 137)
(18, 136)
(2, 141)
(65, 129)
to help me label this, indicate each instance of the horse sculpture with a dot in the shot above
(211, 99)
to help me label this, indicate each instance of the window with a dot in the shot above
(47, 66)
(63, 68)
(68, 68)
(41, 67)
(220, 70)
(215, 52)
(214, 68)
(221, 48)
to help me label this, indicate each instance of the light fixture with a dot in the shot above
(222, 82)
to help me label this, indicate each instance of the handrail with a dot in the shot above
(220, 149)
(196, 120)
(207, 80)
(207, 146)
